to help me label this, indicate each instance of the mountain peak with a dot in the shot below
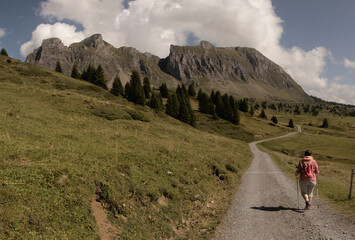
(206, 45)
(94, 41)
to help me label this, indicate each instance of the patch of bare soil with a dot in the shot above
(107, 231)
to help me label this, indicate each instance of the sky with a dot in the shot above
(312, 40)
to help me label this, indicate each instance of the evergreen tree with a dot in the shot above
(219, 105)
(264, 105)
(191, 91)
(127, 89)
(212, 97)
(117, 88)
(203, 104)
(99, 77)
(185, 94)
(173, 105)
(251, 111)
(325, 123)
(243, 105)
(58, 68)
(156, 101)
(227, 107)
(263, 114)
(136, 92)
(290, 124)
(146, 87)
(235, 116)
(164, 92)
(297, 110)
(199, 94)
(3, 52)
(74, 72)
(88, 75)
(186, 113)
(274, 120)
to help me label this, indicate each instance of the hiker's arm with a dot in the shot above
(316, 169)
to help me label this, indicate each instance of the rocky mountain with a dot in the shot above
(242, 72)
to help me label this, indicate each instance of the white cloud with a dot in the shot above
(67, 33)
(336, 92)
(348, 63)
(152, 25)
(2, 32)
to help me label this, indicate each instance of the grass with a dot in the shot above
(334, 151)
(64, 140)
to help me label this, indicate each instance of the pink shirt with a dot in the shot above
(314, 167)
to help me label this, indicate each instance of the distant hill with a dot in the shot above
(242, 72)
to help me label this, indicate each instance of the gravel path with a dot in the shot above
(266, 207)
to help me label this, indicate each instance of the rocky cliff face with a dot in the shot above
(94, 50)
(242, 72)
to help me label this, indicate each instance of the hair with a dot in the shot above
(308, 153)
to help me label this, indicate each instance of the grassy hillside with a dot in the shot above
(65, 140)
(332, 147)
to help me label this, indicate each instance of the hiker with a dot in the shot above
(308, 169)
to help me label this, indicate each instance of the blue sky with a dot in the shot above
(313, 40)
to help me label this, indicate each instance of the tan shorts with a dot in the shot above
(307, 187)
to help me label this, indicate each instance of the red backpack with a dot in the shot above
(306, 169)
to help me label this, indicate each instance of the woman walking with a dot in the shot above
(307, 169)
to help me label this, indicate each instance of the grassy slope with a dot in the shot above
(158, 178)
(333, 148)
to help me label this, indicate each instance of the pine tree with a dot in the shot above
(203, 104)
(199, 94)
(117, 88)
(264, 105)
(251, 111)
(164, 92)
(290, 124)
(88, 75)
(127, 89)
(191, 91)
(173, 105)
(274, 119)
(99, 77)
(219, 105)
(3, 52)
(325, 123)
(136, 92)
(263, 114)
(74, 72)
(156, 101)
(227, 108)
(146, 87)
(243, 105)
(58, 68)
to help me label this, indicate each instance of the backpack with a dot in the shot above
(306, 169)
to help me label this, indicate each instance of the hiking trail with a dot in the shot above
(265, 207)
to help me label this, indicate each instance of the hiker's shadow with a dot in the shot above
(275, 209)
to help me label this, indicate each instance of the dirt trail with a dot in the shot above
(266, 207)
(107, 231)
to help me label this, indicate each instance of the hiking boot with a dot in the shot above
(308, 206)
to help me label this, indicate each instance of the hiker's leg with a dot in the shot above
(304, 193)
(311, 185)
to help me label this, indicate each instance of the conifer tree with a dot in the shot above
(219, 105)
(88, 75)
(74, 72)
(274, 119)
(117, 88)
(227, 107)
(263, 114)
(156, 101)
(3, 52)
(164, 92)
(243, 105)
(325, 123)
(264, 105)
(58, 68)
(199, 94)
(251, 111)
(136, 92)
(173, 105)
(203, 104)
(290, 124)
(146, 87)
(191, 91)
(127, 89)
(99, 77)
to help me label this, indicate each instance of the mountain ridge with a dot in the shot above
(239, 71)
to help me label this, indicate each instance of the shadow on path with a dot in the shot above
(275, 209)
